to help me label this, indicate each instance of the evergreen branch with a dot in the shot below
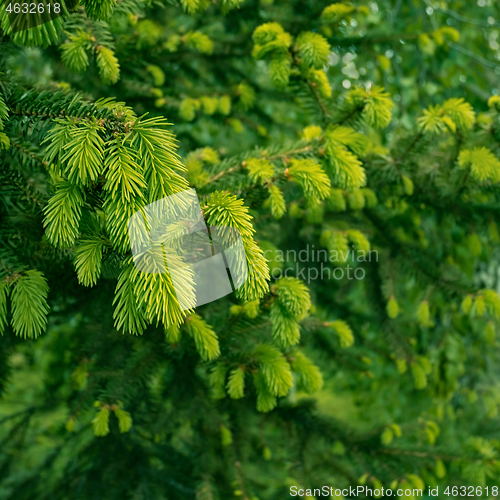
(312, 86)
(413, 143)
(458, 145)
(29, 153)
(29, 304)
(54, 105)
(348, 116)
(224, 172)
(257, 154)
(23, 188)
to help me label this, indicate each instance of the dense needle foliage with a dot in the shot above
(354, 146)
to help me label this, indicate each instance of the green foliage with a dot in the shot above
(483, 164)
(109, 69)
(311, 178)
(275, 370)
(4, 112)
(310, 378)
(277, 201)
(313, 49)
(358, 240)
(266, 400)
(206, 490)
(236, 383)
(4, 141)
(204, 337)
(226, 436)
(270, 38)
(452, 114)
(88, 260)
(386, 437)
(157, 74)
(408, 185)
(336, 200)
(345, 167)
(4, 293)
(199, 41)
(193, 6)
(319, 81)
(312, 132)
(344, 333)
(224, 105)
(327, 136)
(374, 105)
(74, 53)
(83, 154)
(337, 243)
(371, 200)
(260, 171)
(156, 295)
(356, 200)
(124, 179)
(42, 35)
(423, 313)
(217, 380)
(246, 94)
(291, 305)
(420, 369)
(440, 469)
(99, 9)
(280, 69)
(492, 301)
(159, 163)
(392, 308)
(124, 419)
(226, 210)
(29, 304)
(377, 108)
(460, 112)
(127, 315)
(419, 376)
(62, 214)
(336, 11)
(252, 308)
(101, 422)
(346, 136)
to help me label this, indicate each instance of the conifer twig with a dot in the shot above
(409, 148)
(270, 157)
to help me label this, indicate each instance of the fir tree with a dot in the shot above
(358, 132)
